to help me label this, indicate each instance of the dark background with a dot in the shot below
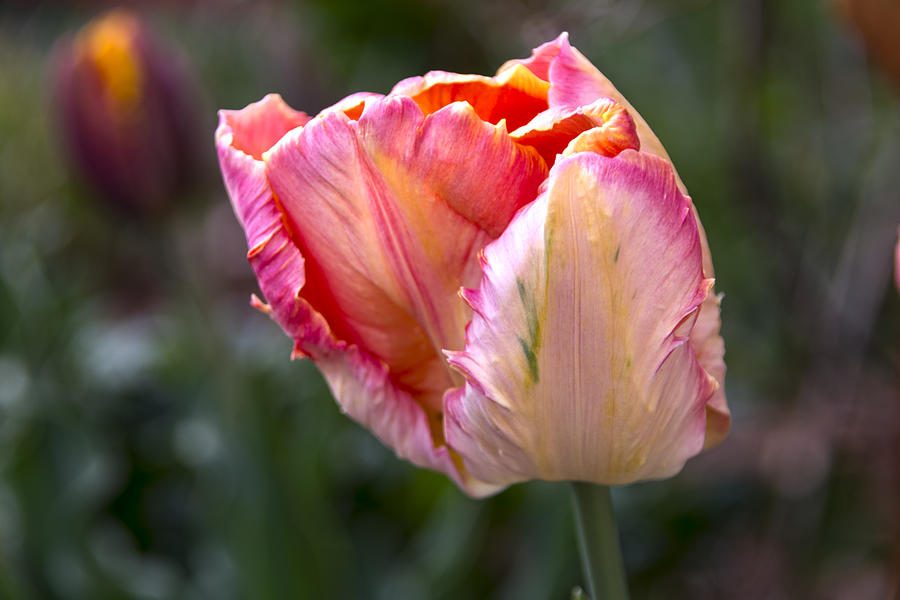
(156, 442)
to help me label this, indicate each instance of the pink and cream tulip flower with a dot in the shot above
(502, 277)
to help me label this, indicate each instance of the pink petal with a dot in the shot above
(364, 390)
(257, 127)
(392, 210)
(576, 360)
(359, 381)
(541, 57)
(390, 213)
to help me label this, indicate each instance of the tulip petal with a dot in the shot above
(392, 210)
(359, 381)
(577, 363)
(574, 81)
(353, 105)
(363, 387)
(709, 347)
(390, 213)
(515, 95)
(554, 130)
(257, 127)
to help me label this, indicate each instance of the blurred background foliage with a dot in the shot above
(156, 442)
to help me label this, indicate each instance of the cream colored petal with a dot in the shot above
(574, 81)
(577, 361)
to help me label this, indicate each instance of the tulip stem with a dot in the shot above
(598, 542)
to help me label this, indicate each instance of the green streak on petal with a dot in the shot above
(521, 287)
(532, 360)
(616, 257)
(531, 346)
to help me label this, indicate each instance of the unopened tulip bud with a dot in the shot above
(127, 112)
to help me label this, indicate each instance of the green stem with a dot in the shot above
(598, 541)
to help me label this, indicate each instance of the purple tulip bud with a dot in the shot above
(126, 111)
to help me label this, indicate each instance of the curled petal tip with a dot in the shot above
(259, 305)
(255, 128)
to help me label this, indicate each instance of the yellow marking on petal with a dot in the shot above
(108, 43)
(520, 77)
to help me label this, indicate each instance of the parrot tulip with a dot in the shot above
(502, 277)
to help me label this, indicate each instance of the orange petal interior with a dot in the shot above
(516, 95)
